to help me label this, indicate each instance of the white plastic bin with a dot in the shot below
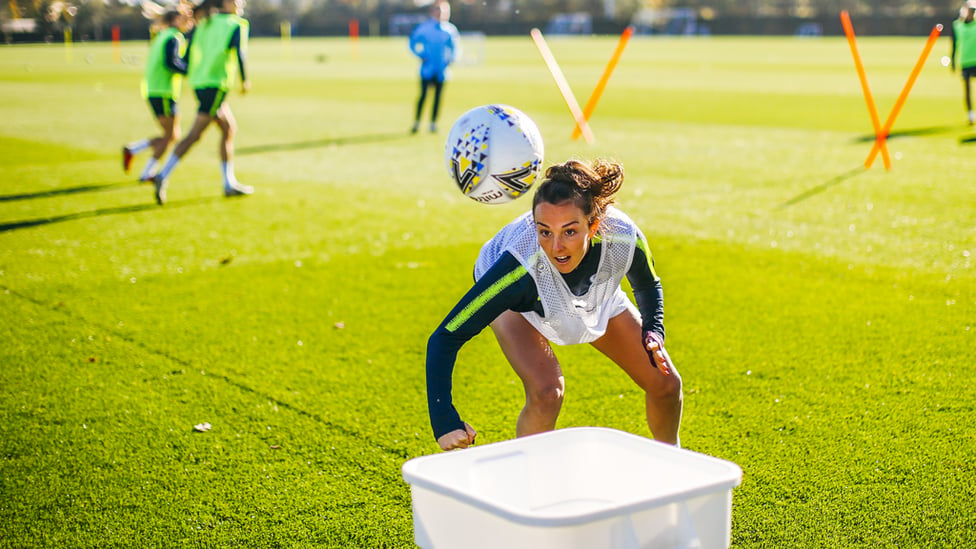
(583, 487)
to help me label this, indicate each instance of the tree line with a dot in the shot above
(48, 20)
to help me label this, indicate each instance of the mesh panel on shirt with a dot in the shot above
(568, 318)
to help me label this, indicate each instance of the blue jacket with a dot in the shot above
(437, 45)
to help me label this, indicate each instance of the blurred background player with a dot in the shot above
(437, 43)
(219, 42)
(964, 44)
(553, 275)
(161, 85)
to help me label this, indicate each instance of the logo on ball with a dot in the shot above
(494, 153)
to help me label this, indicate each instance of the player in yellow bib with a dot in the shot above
(964, 48)
(219, 43)
(161, 85)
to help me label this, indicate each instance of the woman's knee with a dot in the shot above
(548, 398)
(665, 387)
(228, 131)
(193, 136)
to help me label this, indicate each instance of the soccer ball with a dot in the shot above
(494, 153)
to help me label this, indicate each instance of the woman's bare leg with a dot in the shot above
(534, 362)
(622, 343)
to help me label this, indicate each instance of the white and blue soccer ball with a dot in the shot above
(494, 153)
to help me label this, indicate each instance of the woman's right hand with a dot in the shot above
(458, 438)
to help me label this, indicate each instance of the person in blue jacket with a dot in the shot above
(437, 43)
(552, 276)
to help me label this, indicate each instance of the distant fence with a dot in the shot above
(402, 24)
(830, 25)
(827, 25)
(137, 28)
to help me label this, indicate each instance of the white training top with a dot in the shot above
(569, 319)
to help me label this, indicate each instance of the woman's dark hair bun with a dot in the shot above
(592, 187)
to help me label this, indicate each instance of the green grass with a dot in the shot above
(821, 315)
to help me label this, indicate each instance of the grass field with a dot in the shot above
(821, 314)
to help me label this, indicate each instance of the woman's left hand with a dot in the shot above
(654, 345)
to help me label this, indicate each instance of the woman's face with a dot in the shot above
(564, 233)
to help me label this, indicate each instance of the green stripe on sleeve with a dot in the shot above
(477, 303)
(642, 244)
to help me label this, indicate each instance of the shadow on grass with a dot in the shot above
(70, 190)
(318, 143)
(968, 140)
(822, 187)
(28, 223)
(917, 132)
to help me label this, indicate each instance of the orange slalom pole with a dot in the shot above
(562, 84)
(598, 90)
(354, 36)
(845, 20)
(900, 102)
(116, 36)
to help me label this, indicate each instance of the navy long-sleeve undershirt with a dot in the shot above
(174, 61)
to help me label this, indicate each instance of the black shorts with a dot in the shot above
(969, 72)
(163, 106)
(210, 100)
